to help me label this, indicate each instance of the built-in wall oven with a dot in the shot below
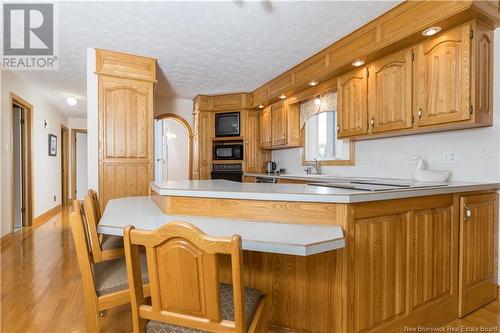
(228, 151)
(233, 171)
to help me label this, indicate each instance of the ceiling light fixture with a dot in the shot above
(282, 96)
(317, 100)
(71, 101)
(358, 62)
(431, 31)
(261, 106)
(313, 83)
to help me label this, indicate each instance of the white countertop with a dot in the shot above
(302, 193)
(262, 236)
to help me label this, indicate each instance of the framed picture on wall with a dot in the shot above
(52, 145)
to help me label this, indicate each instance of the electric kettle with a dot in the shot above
(270, 167)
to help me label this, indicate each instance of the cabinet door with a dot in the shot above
(482, 73)
(478, 251)
(125, 137)
(390, 92)
(443, 81)
(252, 135)
(434, 258)
(352, 104)
(266, 128)
(279, 124)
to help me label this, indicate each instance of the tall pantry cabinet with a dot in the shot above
(125, 124)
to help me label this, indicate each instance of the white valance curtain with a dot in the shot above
(309, 108)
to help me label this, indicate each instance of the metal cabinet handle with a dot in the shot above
(420, 108)
(338, 128)
(372, 122)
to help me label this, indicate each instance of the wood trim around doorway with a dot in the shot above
(74, 131)
(185, 123)
(64, 165)
(27, 171)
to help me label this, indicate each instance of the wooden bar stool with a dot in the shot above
(186, 295)
(105, 284)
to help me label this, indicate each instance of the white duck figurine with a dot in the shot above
(426, 175)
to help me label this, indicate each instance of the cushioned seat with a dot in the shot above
(111, 275)
(251, 301)
(110, 242)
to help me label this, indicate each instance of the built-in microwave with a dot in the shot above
(227, 124)
(228, 151)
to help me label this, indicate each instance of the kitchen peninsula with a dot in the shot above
(412, 257)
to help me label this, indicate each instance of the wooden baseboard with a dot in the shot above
(41, 219)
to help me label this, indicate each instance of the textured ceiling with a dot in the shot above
(201, 47)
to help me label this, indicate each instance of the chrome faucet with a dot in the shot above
(313, 164)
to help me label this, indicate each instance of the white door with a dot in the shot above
(159, 151)
(17, 147)
(81, 165)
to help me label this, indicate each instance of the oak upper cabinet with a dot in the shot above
(252, 141)
(442, 80)
(279, 124)
(352, 103)
(125, 89)
(266, 140)
(390, 92)
(478, 251)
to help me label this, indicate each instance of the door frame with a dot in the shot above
(64, 164)
(27, 186)
(187, 126)
(74, 132)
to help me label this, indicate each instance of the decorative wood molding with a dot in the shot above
(41, 219)
(123, 65)
(224, 102)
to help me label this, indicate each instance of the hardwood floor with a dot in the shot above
(41, 289)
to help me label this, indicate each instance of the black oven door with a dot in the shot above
(235, 176)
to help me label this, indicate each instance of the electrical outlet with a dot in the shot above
(373, 160)
(450, 157)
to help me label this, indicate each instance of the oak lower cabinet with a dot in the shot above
(478, 251)
(352, 103)
(390, 92)
(405, 264)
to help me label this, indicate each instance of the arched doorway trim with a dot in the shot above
(188, 128)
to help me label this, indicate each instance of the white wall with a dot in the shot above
(46, 169)
(179, 106)
(177, 166)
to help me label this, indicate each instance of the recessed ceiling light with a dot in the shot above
(282, 96)
(261, 106)
(358, 62)
(317, 100)
(431, 31)
(71, 101)
(313, 83)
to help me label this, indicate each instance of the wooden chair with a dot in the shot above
(186, 295)
(104, 247)
(105, 284)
